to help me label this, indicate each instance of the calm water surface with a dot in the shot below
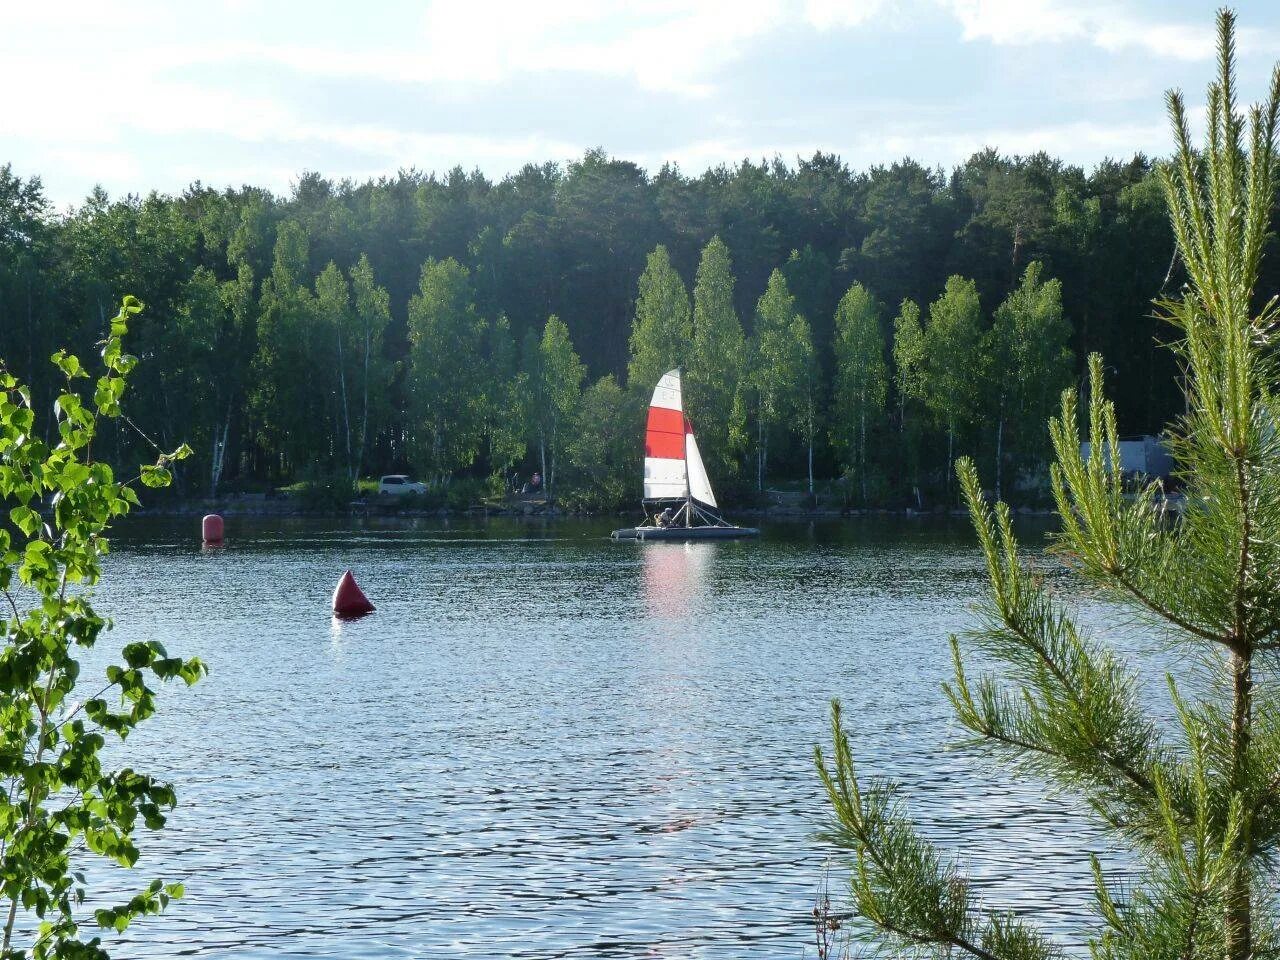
(545, 744)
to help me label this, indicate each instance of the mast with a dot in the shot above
(688, 428)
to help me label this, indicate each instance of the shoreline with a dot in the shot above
(258, 505)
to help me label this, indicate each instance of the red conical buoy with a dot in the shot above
(348, 599)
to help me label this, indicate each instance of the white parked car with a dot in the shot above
(397, 485)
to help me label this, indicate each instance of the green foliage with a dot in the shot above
(951, 371)
(605, 448)
(662, 332)
(861, 378)
(1031, 365)
(901, 882)
(324, 492)
(1194, 802)
(716, 367)
(60, 800)
(554, 374)
(506, 398)
(367, 374)
(290, 341)
(268, 382)
(782, 375)
(952, 366)
(445, 337)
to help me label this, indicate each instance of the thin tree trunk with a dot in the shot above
(1239, 919)
(364, 413)
(951, 444)
(999, 451)
(346, 410)
(549, 468)
(31, 334)
(862, 446)
(542, 452)
(811, 463)
(219, 453)
(760, 453)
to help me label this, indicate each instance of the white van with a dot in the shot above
(398, 484)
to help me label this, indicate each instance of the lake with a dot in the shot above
(545, 744)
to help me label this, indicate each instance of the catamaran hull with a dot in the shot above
(684, 533)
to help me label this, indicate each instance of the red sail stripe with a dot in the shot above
(664, 434)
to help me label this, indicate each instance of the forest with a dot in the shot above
(849, 332)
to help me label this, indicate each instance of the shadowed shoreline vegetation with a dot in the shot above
(868, 326)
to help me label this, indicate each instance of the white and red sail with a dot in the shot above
(673, 468)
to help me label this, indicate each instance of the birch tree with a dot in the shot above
(861, 377)
(718, 355)
(285, 369)
(781, 380)
(951, 365)
(908, 367)
(333, 321)
(506, 401)
(555, 376)
(446, 393)
(1030, 364)
(372, 373)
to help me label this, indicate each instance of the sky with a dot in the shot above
(137, 95)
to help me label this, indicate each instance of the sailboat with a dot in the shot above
(678, 501)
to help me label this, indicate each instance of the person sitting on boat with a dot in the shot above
(666, 517)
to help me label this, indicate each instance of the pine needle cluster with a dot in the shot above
(1195, 802)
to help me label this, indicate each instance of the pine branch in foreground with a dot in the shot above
(1193, 803)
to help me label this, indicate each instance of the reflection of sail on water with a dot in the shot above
(674, 577)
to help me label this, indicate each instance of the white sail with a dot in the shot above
(673, 468)
(665, 473)
(699, 482)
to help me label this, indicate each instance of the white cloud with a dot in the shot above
(1017, 21)
(147, 93)
(841, 14)
(665, 46)
(1020, 22)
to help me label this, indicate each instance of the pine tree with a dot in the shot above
(716, 361)
(1195, 800)
(861, 377)
(662, 331)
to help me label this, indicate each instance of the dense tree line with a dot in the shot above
(867, 325)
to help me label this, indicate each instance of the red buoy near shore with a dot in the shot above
(211, 529)
(348, 599)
